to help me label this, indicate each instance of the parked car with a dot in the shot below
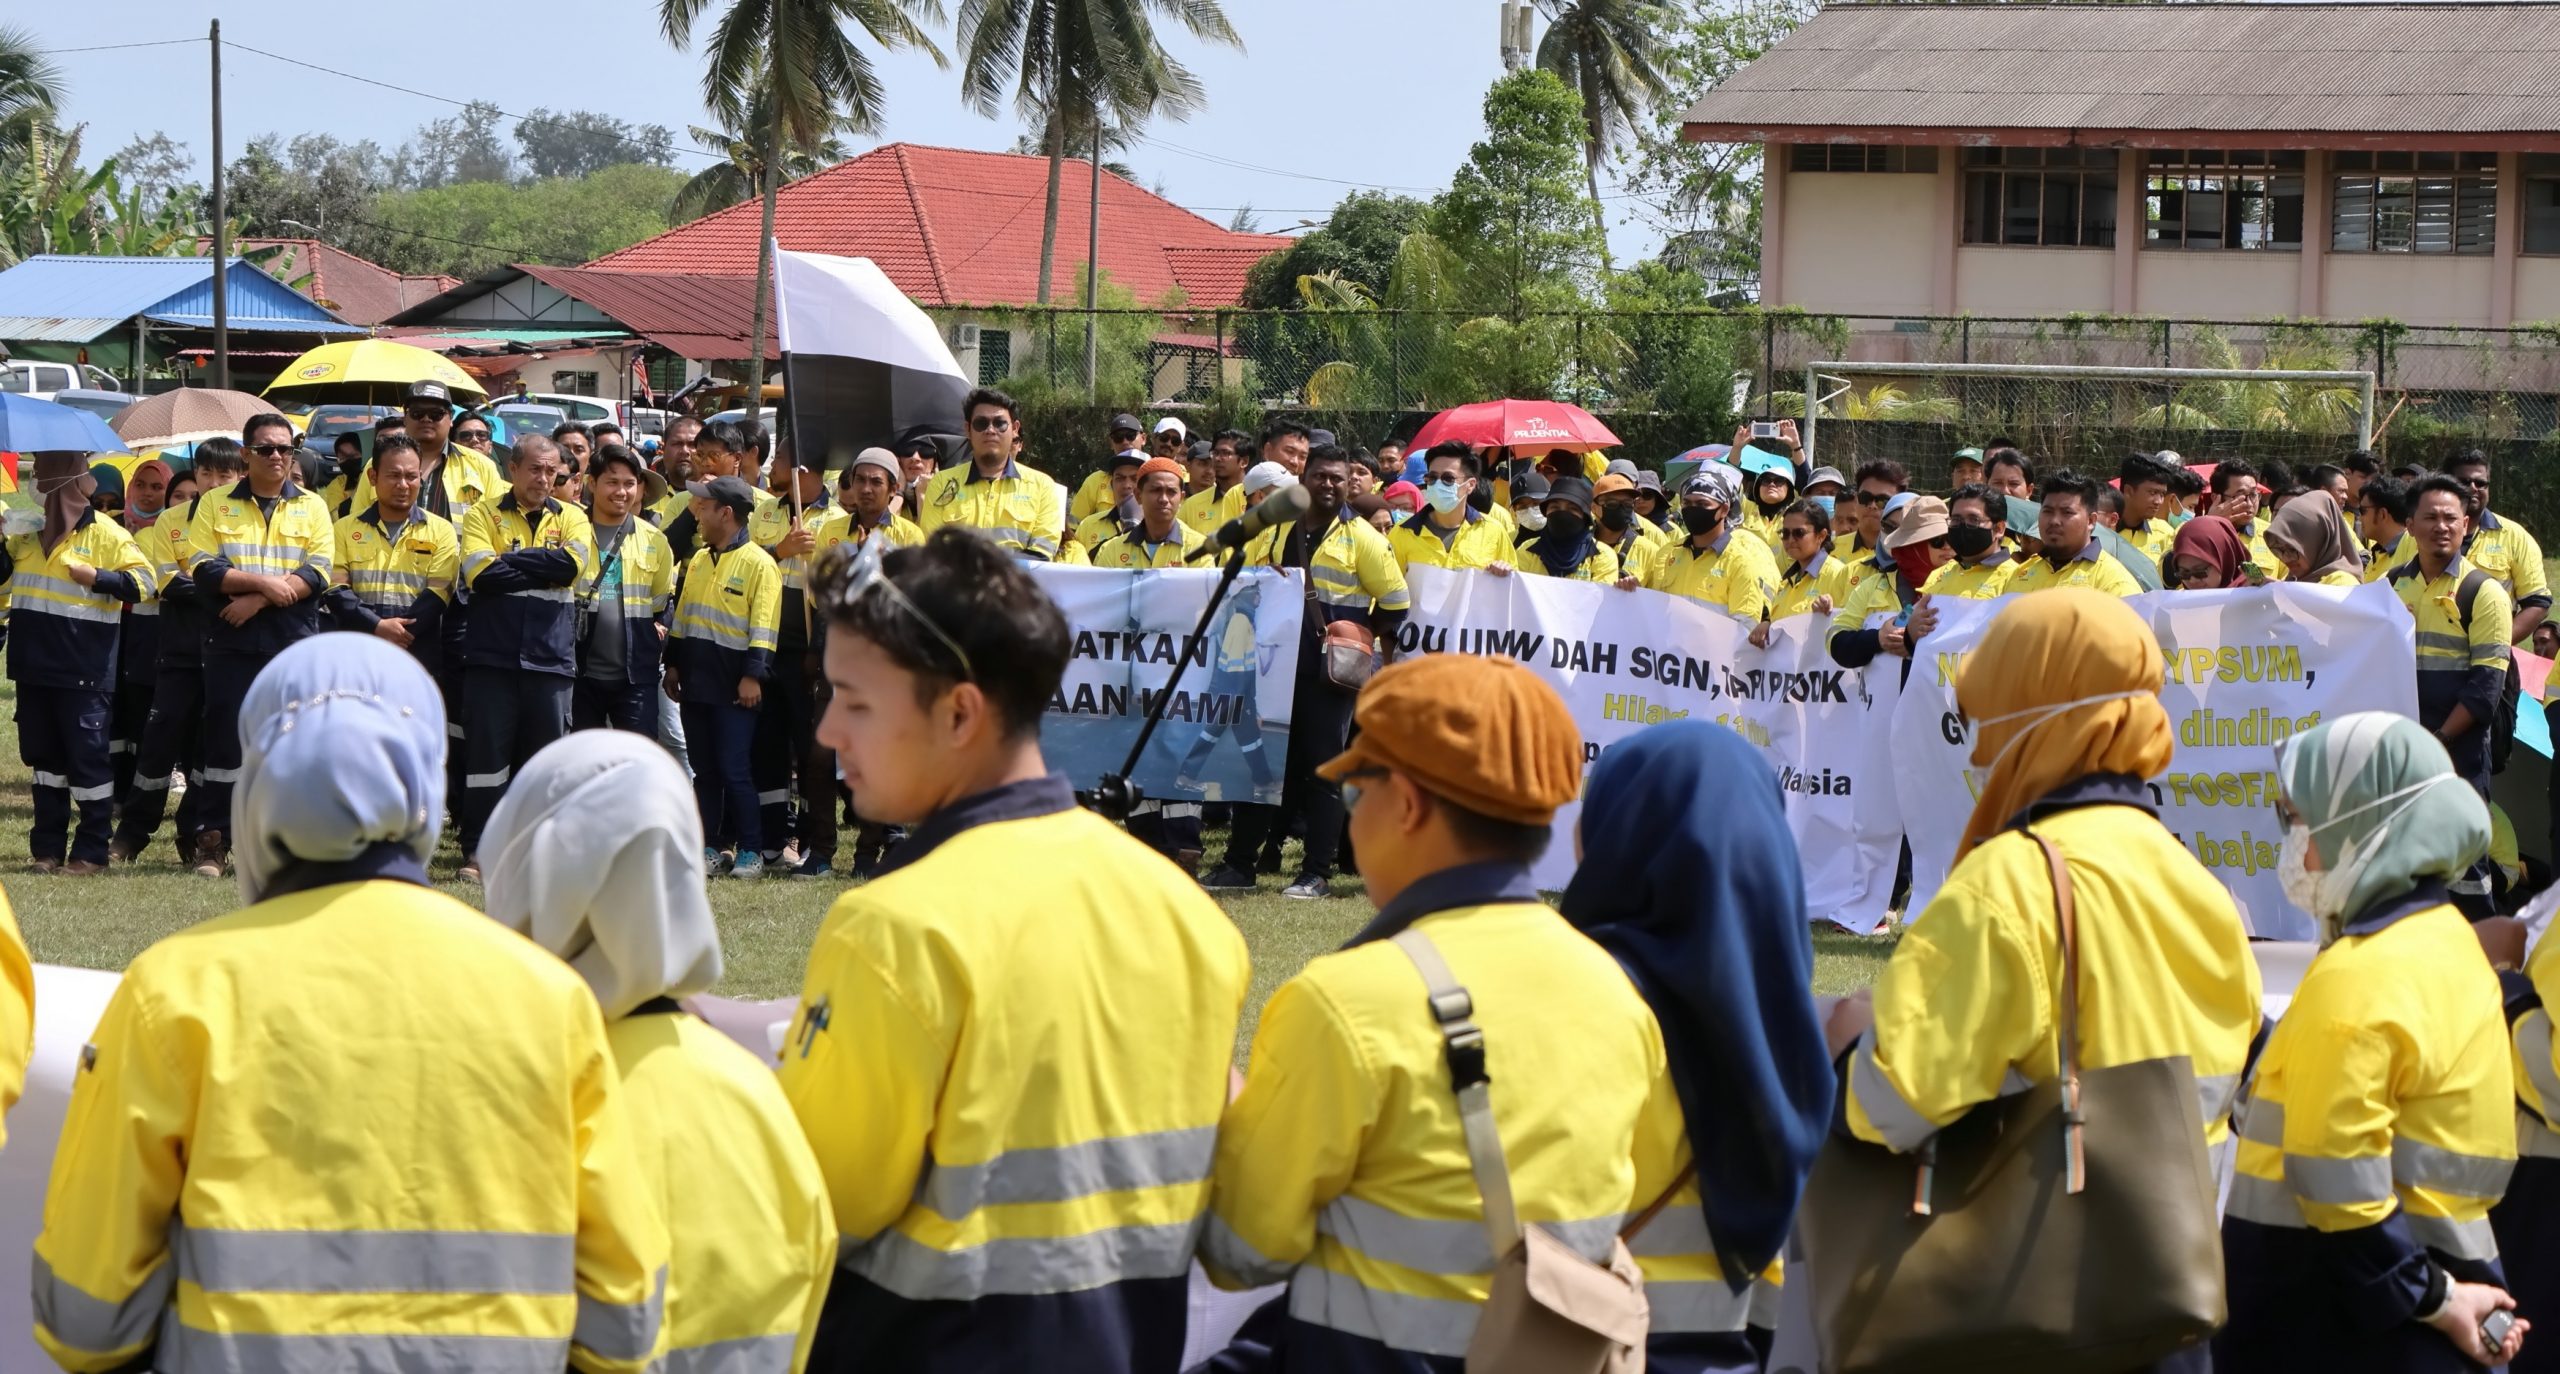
(739, 416)
(586, 410)
(516, 419)
(321, 428)
(42, 380)
(103, 404)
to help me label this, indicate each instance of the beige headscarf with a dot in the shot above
(2312, 529)
(596, 853)
(2066, 683)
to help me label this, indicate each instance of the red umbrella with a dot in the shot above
(1516, 424)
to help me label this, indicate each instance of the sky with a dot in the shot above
(1327, 97)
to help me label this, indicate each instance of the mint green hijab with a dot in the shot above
(2382, 801)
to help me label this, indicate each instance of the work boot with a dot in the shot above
(82, 868)
(209, 854)
(117, 853)
(1188, 860)
(44, 867)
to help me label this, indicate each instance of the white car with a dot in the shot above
(27, 377)
(585, 410)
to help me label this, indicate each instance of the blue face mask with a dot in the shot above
(1443, 496)
(1824, 502)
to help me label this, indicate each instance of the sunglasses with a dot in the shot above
(1873, 498)
(1351, 788)
(990, 424)
(272, 450)
(465, 436)
(849, 572)
(427, 412)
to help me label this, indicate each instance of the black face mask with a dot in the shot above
(1567, 527)
(1616, 517)
(1699, 519)
(1970, 541)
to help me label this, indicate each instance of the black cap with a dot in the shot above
(1533, 484)
(728, 491)
(1126, 421)
(431, 391)
(1573, 489)
(1201, 451)
(1319, 438)
(914, 437)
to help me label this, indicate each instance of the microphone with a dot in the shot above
(1279, 508)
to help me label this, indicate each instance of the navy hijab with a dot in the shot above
(1689, 877)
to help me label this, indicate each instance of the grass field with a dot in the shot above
(765, 927)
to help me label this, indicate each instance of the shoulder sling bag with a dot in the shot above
(2065, 1229)
(1550, 1310)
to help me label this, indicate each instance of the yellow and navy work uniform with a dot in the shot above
(451, 1183)
(2264, 559)
(63, 643)
(788, 762)
(675, 516)
(901, 532)
(287, 535)
(1750, 517)
(526, 569)
(2508, 552)
(1072, 555)
(2338, 577)
(462, 480)
(1352, 572)
(2527, 1219)
(1635, 549)
(1098, 529)
(137, 665)
(2378, 1133)
(1342, 1167)
(2153, 539)
(397, 572)
(1854, 643)
(1017, 508)
(768, 526)
(1015, 1148)
(1134, 549)
(1697, 1317)
(2093, 567)
(1980, 580)
(172, 735)
(1477, 542)
(1735, 573)
(2380, 560)
(620, 664)
(1599, 565)
(1209, 508)
(1092, 496)
(1799, 585)
(1965, 1011)
(2463, 654)
(734, 1176)
(728, 622)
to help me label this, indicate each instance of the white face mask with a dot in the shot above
(1982, 774)
(20, 521)
(2325, 894)
(1532, 520)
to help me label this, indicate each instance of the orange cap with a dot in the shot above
(1483, 732)
(1153, 465)
(1612, 482)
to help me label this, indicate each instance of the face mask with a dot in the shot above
(1700, 519)
(1969, 541)
(2325, 894)
(2041, 714)
(1533, 520)
(21, 521)
(1128, 511)
(1569, 526)
(1443, 496)
(1913, 563)
(2302, 887)
(1825, 503)
(1616, 516)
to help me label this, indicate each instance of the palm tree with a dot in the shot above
(801, 52)
(1606, 49)
(31, 90)
(1073, 64)
(737, 180)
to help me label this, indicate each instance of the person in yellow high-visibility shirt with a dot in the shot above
(1717, 563)
(2382, 516)
(1451, 532)
(995, 493)
(2069, 553)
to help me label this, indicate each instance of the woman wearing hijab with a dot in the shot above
(2206, 553)
(1916, 546)
(355, 1125)
(1564, 545)
(2380, 1126)
(1689, 878)
(2313, 542)
(595, 853)
(2064, 695)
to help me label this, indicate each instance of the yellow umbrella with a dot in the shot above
(363, 370)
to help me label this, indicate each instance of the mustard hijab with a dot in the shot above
(2065, 684)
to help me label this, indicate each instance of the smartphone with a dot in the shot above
(2494, 1329)
(1764, 429)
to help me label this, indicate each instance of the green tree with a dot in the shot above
(1094, 60)
(1705, 197)
(31, 90)
(1358, 243)
(1605, 50)
(456, 149)
(1516, 214)
(802, 54)
(313, 187)
(734, 180)
(157, 165)
(574, 143)
(470, 228)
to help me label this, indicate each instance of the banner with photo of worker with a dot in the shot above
(1623, 660)
(1225, 733)
(2247, 668)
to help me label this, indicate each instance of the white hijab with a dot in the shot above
(341, 753)
(596, 853)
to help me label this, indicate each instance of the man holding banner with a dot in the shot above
(1710, 565)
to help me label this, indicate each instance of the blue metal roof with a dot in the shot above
(69, 299)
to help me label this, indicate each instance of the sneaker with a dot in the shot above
(750, 866)
(1308, 888)
(813, 867)
(714, 862)
(468, 873)
(1227, 879)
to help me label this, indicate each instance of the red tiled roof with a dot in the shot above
(955, 227)
(360, 290)
(696, 314)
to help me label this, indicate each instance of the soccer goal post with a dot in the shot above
(2088, 417)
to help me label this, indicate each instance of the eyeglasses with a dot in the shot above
(272, 450)
(849, 572)
(427, 412)
(990, 424)
(1797, 531)
(1874, 498)
(1352, 790)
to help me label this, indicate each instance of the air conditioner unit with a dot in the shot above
(964, 336)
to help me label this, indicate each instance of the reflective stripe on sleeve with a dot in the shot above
(745, 1355)
(1024, 1264)
(2533, 1045)
(2266, 1201)
(621, 1331)
(1400, 1321)
(2214, 1094)
(2533, 1139)
(1900, 1123)
(1221, 1246)
(1436, 1246)
(2416, 1164)
(95, 1325)
(2339, 1182)
(250, 1352)
(378, 1261)
(2469, 1240)
(27, 602)
(1698, 1305)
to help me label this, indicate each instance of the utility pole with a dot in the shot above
(221, 234)
(1515, 34)
(1092, 263)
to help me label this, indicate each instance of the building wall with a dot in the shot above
(2034, 281)
(2408, 287)
(2537, 290)
(1862, 243)
(2217, 286)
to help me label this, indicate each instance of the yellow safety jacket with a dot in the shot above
(1351, 569)
(2338, 577)
(901, 532)
(523, 594)
(389, 569)
(362, 1126)
(463, 480)
(2537, 1059)
(62, 634)
(2388, 1088)
(1798, 586)
(1600, 566)
(2508, 552)
(1735, 574)
(2462, 659)
(1478, 542)
(1018, 508)
(1131, 550)
(1206, 510)
(1747, 516)
(1072, 555)
(1092, 498)
(17, 1013)
(1965, 1010)
(230, 530)
(994, 1112)
(2152, 538)
(1635, 552)
(728, 619)
(1342, 1167)
(1098, 529)
(641, 573)
(2093, 567)
(753, 1240)
(1980, 581)
(2260, 556)
(2380, 561)
(1683, 1280)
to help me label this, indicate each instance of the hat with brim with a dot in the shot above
(1760, 462)
(1532, 486)
(1482, 732)
(1611, 485)
(1571, 490)
(728, 491)
(1822, 475)
(1926, 519)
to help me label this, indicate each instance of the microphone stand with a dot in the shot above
(1114, 797)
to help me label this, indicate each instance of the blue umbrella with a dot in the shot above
(28, 425)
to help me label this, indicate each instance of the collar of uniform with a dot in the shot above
(382, 861)
(2088, 553)
(1171, 536)
(550, 504)
(1014, 801)
(373, 517)
(1011, 471)
(732, 546)
(244, 492)
(1998, 554)
(2092, 789)
(1476, 884)
(1798, 572)
(2429, 892)
(1715, 545)
(2489, 520)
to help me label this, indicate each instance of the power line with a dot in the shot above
(1222, 160)
(515, 253)
(117, 47)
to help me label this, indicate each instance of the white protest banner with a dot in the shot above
(2247, 668)
(1623, 660)
(1225, 734)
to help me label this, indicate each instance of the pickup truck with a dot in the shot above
(28, 377)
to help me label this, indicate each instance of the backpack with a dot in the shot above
(2502, 723)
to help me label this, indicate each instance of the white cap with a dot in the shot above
(1169, 423)
(1266, 477)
